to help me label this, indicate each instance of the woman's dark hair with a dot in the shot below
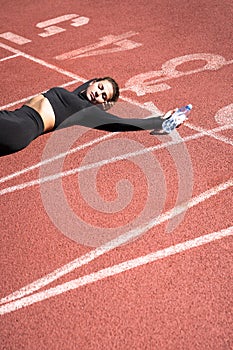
(116, 90)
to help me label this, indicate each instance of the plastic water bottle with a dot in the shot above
(176, 119)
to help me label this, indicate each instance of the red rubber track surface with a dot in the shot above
(174, 288)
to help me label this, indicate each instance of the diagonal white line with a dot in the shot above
(89, 166)
(9, 57)
(124, 238)
(50, 160)
(42, 62)
(114, 270)
(212, 133)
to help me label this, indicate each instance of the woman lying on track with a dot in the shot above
(60, 108)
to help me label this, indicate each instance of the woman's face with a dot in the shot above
(99, 92)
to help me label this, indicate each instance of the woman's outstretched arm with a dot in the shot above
(95, 118)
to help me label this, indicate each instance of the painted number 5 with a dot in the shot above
(51, 29)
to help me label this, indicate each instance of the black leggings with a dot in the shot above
(18, 128)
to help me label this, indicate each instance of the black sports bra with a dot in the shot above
(66, 104)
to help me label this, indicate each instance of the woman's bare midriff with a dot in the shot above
(42, 105)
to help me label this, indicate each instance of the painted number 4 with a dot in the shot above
(116, 42)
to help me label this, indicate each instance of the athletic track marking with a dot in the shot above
(120, 240)
(124, 238)
(92, 165)
(114, 270)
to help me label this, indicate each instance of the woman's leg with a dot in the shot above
(18, 128)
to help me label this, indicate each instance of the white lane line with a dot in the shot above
(74, 171)
(43, 63)
(211, 133)
(9, 57)
(115, 270)
(122, 239)
(50, 160)
(73, 150)
(11, 104)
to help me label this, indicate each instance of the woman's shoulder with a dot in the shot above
(57, 89)
(60, 92)
(61, 96)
